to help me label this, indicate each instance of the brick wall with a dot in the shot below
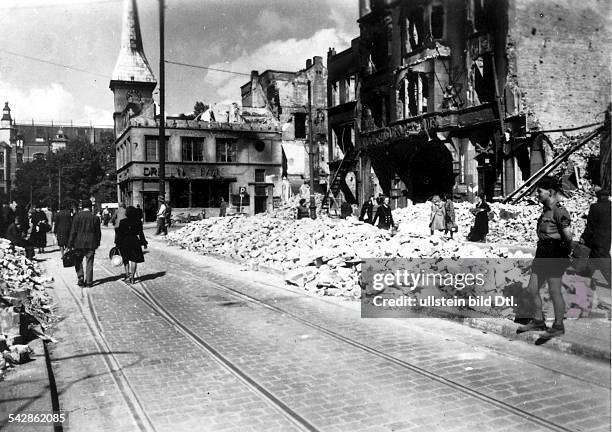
(559, 56)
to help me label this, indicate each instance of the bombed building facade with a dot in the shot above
(285, 94)
(459, 96)
(233, 155)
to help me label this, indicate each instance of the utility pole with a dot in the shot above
(162, 122)
(313, 205)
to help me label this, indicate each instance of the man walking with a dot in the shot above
(62, 223)
(85, 239)
(161, 217)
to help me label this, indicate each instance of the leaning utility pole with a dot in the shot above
(161, 143)
(313, 205)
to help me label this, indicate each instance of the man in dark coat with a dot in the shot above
(62, 222)
(597, 233)
(84, 238)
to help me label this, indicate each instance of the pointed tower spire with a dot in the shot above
(132, 65)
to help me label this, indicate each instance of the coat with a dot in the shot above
(597, 232)
(7, 217)
(449, 214)
(437, 216)
(367, 212)
(85, 232)
(481, 222)
(62, 222)
(40, 227)
(384, 217)
(129, 240)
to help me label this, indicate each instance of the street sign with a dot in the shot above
(242, 191)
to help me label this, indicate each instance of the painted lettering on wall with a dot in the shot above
(193, 172)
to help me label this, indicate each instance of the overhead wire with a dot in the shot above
(53, 63)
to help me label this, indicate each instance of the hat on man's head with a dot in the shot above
(86, 203)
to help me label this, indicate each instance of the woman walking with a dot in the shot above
(449, 215)
(129, 241)
(40, 227)
(437, 215)
(481, 223)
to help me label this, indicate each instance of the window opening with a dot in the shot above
(226, 150)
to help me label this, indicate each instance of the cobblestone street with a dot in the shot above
(199, 344)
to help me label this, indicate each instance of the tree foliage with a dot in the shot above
(85, 169)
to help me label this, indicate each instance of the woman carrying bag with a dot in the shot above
(129, 241)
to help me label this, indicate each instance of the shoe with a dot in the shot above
(532, 325)
(555, 330)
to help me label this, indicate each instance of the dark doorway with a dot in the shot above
(149, 203)
(432, 171)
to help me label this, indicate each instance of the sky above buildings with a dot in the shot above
(57, 56)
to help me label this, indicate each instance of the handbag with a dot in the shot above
(115, 256)
(69, 259)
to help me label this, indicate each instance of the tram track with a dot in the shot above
(134, 404)
(150, 301)
(380, 354)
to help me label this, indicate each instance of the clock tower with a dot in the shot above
(132, 80)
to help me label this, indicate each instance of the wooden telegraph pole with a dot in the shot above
(162, 122)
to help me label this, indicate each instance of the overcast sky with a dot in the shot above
(238, 35)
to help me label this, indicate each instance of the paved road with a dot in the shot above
(282, 360)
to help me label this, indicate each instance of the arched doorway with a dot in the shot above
(431, 170)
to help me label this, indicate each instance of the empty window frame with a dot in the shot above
(226, 149)
(300, 125)
(192, 149)
(436, 21)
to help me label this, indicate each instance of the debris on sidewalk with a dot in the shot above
(26, 308)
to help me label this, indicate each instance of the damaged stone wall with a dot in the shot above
(558, 59)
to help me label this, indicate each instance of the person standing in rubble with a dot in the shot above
(222, 208)
(551, 258)
(481, 222)
(384, 216)
(367, 211)
(449, 215)
(596, 235)
(162, 228)
(62, 222)
(130, 239)
(302, 210)
(436, 222)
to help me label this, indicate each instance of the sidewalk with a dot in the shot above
(588, 337)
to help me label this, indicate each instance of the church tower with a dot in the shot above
(132, 80)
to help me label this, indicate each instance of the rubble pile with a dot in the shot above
(26, 308)
(511, 224)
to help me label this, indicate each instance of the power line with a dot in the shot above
(53, 63)
(207, 68)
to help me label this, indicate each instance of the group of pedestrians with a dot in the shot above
(24, 228)
(443, 215)
(376, 211)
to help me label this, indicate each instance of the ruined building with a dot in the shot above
(233, 154)
(462, 95)
(285, 94)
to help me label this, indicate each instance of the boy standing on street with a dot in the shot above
(551, 258)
